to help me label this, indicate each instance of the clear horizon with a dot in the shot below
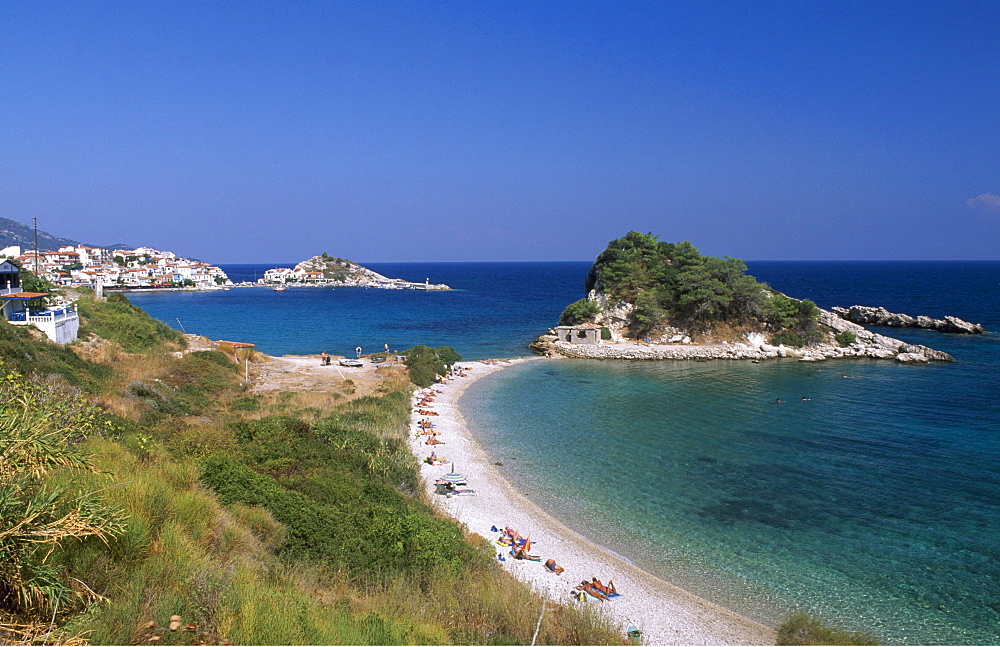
(511, 132)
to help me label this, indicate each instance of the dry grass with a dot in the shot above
(299, 386)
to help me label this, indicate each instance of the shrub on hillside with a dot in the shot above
(426, 363)
(363, 526)
(579, 312)
(118, 320)
(801, 629)
(29, 354)
(846, 338)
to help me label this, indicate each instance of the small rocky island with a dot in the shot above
(882, 317)
(326, 270)
(648, 300)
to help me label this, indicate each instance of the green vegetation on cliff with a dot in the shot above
(674, 284)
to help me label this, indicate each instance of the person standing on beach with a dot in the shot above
(358, 352)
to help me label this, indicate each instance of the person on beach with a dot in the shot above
(589, 588)
(608, 590)
(324, 359)
(551, 565)
(521, 552)
(357, 351)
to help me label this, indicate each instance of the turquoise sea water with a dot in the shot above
(874, 504)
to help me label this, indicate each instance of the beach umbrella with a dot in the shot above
(453, 476)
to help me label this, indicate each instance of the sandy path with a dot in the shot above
(666, 614)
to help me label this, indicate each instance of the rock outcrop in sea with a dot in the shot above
(882, 317)
(867, 344)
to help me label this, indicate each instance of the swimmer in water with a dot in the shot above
(778, 400)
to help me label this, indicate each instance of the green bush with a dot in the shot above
(605, 333)
(579, 312)
(246, 403)
(801, 629)
(427, 363)
(846, 338)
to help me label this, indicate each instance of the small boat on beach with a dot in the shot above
(352, 362)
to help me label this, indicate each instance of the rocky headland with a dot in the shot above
(326, 270)
(882, 317)
(867, 344)
(648, 299)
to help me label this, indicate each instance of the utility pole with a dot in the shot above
(35, 220)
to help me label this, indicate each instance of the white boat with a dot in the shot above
(351, 362)
(280, 288)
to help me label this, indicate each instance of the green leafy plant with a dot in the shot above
(846, 338)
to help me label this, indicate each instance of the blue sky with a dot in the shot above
(385, 131)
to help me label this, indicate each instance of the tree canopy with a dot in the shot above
(674, 281)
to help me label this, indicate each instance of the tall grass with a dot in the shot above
(184, 553)
(118, 320)
(40, 429)
(803, 629)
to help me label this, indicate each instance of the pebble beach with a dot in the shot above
(664, 613)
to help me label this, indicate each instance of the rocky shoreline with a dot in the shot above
(867, 345)
(882, 317)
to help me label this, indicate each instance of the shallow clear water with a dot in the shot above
(867, 504)
(874, 504)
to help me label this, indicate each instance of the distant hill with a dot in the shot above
(15, 233)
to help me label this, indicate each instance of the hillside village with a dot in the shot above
(143, 267)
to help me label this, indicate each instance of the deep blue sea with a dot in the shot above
(874, 504)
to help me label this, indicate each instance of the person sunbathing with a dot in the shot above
(608, 590)
(551, 565)
(521, 553)
(589, 588)
(434, 441)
